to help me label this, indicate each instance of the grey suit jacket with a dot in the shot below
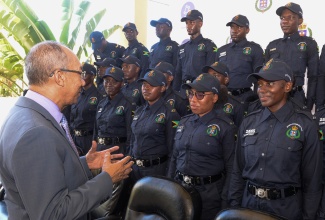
(42, 175)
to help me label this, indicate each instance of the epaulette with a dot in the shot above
(298, 104)
(225, 119)
(207, 39)
(308, 114)
(187, 116)
(253, 113)
(175, 42)
(235, 99)
(252, 42)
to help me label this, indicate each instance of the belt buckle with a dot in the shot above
(261, 193)
(101, 141)
(187, 179)
(139, 163)
(77, 133)
(118, 140)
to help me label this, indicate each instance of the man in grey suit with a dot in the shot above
(43, 176)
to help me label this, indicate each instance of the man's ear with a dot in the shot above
(163, 89)
(300, 21)
(288, 87)
(59, 77)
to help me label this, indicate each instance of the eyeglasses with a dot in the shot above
(199, 95)
(81, 73)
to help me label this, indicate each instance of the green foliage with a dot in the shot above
(21, 29)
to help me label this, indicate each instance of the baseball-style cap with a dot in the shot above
(193, 15)
(218, 67)
(240, 20)
(107, 62)
(165, 67)
(154, 78)
(90, 69)
(154, 23)
(204, 83)
(115, 73)
(295, 8)
(130, 59)
(96, 38)
(273, 70)
(130, 25)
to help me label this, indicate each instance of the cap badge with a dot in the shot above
(112, 70)
(189, 13)
(151, 73)
(199, 78)
(236, 17)
(268, 65)
(128, 24)
(93, 40)
(288, 5)
(215, 64)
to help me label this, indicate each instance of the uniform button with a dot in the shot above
(263, 154)
(289, 148)
(261, 169)
(271, 126)
(266, 139)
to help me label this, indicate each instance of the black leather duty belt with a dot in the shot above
(271, 193)
(198, 180)
(149, 163)
(82, 133)
(111, 140)
(236, 92)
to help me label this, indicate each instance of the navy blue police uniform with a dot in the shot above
(242, 58)
(165, 50)
(153, 131)
(82, 118)
(137, 49)
(299, 52)
(193, 55)
(106, 62)
(203, 154)
(278, 159)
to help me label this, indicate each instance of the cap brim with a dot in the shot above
(205, 69)
(255, 76)
(237, 23)
(280, 10)
(150, 81)
(106, 75)
(96, 46)
(153, 23)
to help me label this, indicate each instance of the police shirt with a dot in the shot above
(299, 52)
(204, 146)
(233, 108)
(192, 57)
(138, 50)
(113, 118)
(83, 113)
(132, 91)
(111, 50)
(320, 94)
(165, 50)
(242, 59)
(176, 101)
(278, 150)
(153, 129)
(320, 118)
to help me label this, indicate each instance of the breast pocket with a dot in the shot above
(210, 145)
(250, 150)
(289, 150)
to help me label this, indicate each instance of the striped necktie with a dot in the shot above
(65, 126)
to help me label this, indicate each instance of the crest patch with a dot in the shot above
(294, 131)
(228, 108)
(119, 110)
(160, 118)
(92, 100)
(213, 130)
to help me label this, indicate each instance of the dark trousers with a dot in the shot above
(84, 143)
